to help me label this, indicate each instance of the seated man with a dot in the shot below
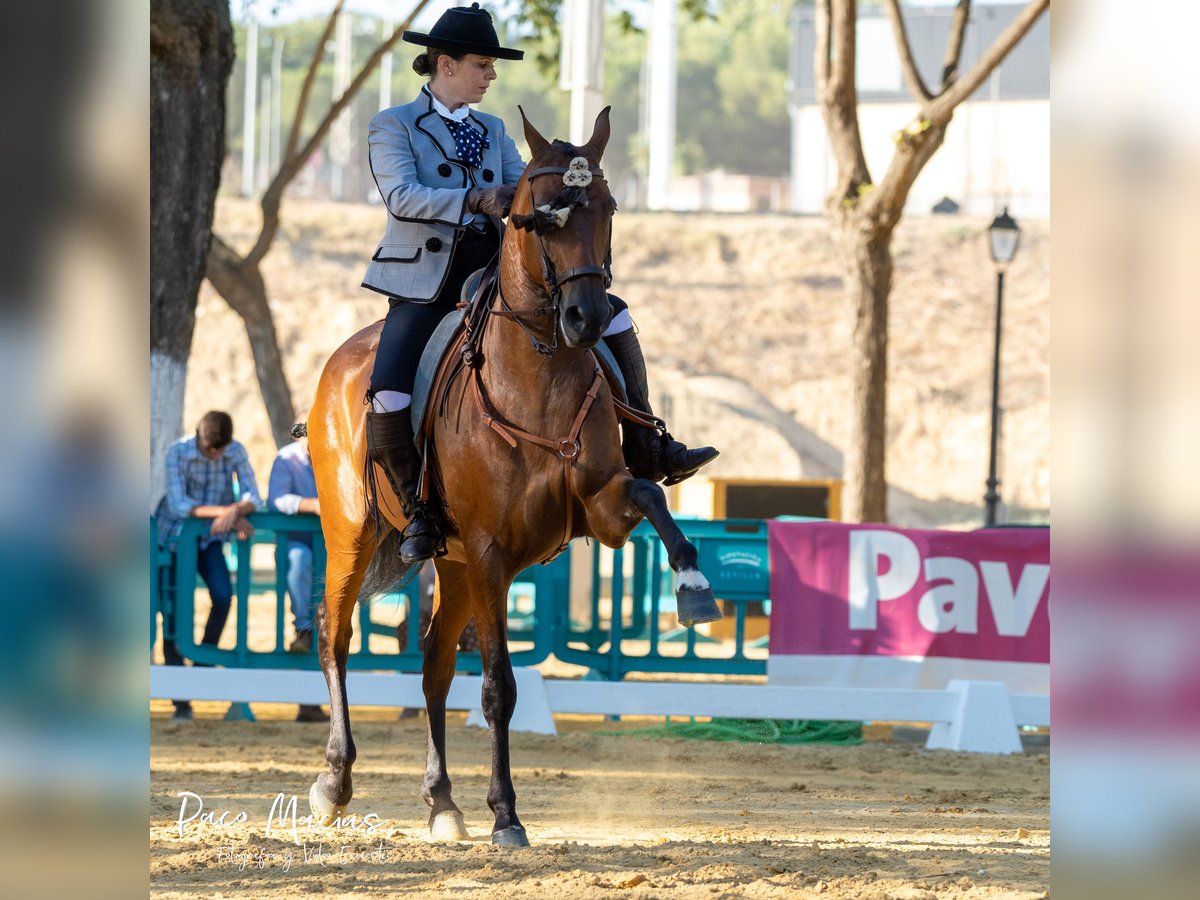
(199, 482)
(292, 490)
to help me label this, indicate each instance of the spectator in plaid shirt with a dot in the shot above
(199, 483)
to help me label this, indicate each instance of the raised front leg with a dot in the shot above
(489, 595)
(693, 594)
(451, 610)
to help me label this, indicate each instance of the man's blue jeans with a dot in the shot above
(210, 563)
(300, 583)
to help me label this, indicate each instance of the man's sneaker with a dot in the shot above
(183, 714)
(302, 643)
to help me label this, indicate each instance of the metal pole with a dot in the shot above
(992, 497)
(582, 64)
(385, 67)
(660, 136)
(249, 108)
(264, 153)
(276, 101)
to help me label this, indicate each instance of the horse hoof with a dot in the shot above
(323, 810)
(448, 826)
(513, 836)
(697, 606)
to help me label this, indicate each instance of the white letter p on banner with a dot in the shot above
(868, 548)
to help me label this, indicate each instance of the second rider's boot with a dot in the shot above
(649, 454)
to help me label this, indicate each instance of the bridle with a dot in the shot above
(576, 179)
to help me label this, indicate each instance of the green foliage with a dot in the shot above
(540, 20)
(732, 89)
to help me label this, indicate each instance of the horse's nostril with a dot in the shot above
(575, 317)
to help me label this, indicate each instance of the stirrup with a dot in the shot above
(422, 528)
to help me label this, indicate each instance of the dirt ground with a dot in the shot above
(607, 815)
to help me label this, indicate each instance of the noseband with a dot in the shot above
(576, 179)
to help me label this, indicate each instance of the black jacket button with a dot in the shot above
(444, 170)
(433, 245)
(488, 175)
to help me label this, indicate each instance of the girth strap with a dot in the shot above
(567, 447)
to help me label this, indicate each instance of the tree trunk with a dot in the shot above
(867, 260)
(243, 288)
(191, 56)
(865, 214)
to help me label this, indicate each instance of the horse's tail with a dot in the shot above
(300, 430)
(387, 574)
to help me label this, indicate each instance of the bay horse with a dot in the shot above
(529, 451)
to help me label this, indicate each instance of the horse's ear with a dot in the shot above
(599, 139)
(537, 144)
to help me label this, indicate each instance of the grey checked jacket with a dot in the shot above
(424, 186)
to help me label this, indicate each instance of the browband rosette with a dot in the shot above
(578, 173)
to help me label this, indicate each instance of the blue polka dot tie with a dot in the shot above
(469, 143)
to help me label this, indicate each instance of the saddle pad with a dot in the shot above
(609, 362)
(431, 356)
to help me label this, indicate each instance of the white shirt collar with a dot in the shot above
(457, 115)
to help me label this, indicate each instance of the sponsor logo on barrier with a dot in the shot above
(865, 590)
(886, 566)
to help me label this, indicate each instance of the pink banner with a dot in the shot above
(875, 591)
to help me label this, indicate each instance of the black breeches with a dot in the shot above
(408, 325)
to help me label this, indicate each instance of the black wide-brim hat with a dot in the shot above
(464, 29)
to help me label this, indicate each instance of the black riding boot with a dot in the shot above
(390, 443)
(649, 454)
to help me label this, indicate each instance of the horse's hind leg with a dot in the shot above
(608, 514)
(489, 596)
(451, 610)
(344, 571)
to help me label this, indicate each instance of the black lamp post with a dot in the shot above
(1003, 237)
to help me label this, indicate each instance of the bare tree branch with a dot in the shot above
(843, 44)
(836, 24)
(821, 59)
(293, 161)
(908, 65)
(958, 31)
(942, 107)
(310, 78)
(885, 204)
(273, 195)
(363, 74)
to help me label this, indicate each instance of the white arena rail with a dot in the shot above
(978, 716)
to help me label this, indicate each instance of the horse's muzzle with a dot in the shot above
(586, 312)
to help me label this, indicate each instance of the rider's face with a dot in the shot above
(465, 80)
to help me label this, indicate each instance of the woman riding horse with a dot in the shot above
(447, 175)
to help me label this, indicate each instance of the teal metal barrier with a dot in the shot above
(635, 633)
(528, 626)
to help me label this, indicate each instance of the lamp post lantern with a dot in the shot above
(1003, 237)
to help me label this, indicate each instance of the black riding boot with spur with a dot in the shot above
(649, 454)
(390, 443)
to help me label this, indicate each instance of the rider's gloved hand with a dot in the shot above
(491, 201)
